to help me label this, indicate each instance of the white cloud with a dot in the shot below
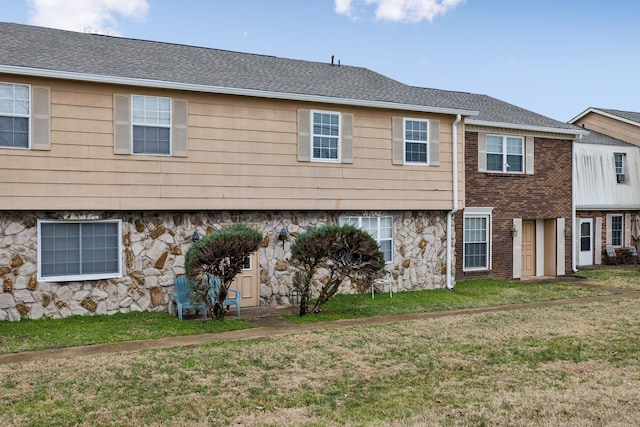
(400, 10)
(343, 7)
(96, 16)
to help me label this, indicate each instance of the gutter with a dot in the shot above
(162, 84)
(574, 132)
(454, 138)
(608, 207)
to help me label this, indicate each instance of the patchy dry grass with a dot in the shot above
(571, 365)
(615, 277)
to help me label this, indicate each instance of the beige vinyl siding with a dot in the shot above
(612, 127)
(242, 154)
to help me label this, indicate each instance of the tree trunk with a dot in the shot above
(218, 309)
(304, 303)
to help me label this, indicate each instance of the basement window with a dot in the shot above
(79, 250)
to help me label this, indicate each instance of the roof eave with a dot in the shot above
(608, 207)
(162, 84)
(573, 132)
(603, 113)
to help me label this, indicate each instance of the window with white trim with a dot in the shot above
(15, 110)
(79, 250)
(416, 141)
(325, 136)
(378, 227)
(477, 239)
(505, 154)
(619, 160)
(151, 123)
(617, 228)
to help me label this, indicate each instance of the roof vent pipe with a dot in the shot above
(332, 56)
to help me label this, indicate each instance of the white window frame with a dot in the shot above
(483, 213)
(338, 158)
(621, 168)
(415, 141)
(13, 114)
(505, 154)
(357, 221)
(80, 277)
(613, 217)
(150, 123)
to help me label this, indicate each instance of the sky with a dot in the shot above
(553, 57)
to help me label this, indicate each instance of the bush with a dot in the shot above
(223, 254)
(345, 251)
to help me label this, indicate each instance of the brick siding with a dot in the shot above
(545, 194)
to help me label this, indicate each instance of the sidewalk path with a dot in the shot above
(271, 323)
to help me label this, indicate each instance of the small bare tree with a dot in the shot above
(223, 254)
(346, 252)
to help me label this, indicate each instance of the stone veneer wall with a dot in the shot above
(154, 245)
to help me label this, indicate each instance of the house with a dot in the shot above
(517, 216)
(116, 153)
(607, 185)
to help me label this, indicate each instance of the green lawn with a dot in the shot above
(42, 334)
(27, 335)
(620, 277)
(466, 294)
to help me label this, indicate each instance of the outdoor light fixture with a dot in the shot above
(283, 236)
(196, 236)
(514, 232)
(567, 231)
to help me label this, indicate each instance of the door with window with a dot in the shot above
(586, 241)
(247, 282)
(528, 248)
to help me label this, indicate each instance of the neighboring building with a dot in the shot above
(607, 184)
(516, 222)
(114, 151)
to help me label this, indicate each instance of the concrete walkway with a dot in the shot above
(271, 323)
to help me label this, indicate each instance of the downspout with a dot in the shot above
(573, 206)
(454, 133)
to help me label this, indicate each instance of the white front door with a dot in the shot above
(586, 241)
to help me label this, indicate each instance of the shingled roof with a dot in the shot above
(39, 51)
(630, 117)
(494, 112)
(598, 138)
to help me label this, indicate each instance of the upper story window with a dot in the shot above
(151, 121)
(79, 250)
(150, 125)
(505, 154)
(378, 227)
(619, 160)
(15, 110)
(416, 141)
(326, 136)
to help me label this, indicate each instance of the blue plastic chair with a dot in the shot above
(185, 298)
(215, 283)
